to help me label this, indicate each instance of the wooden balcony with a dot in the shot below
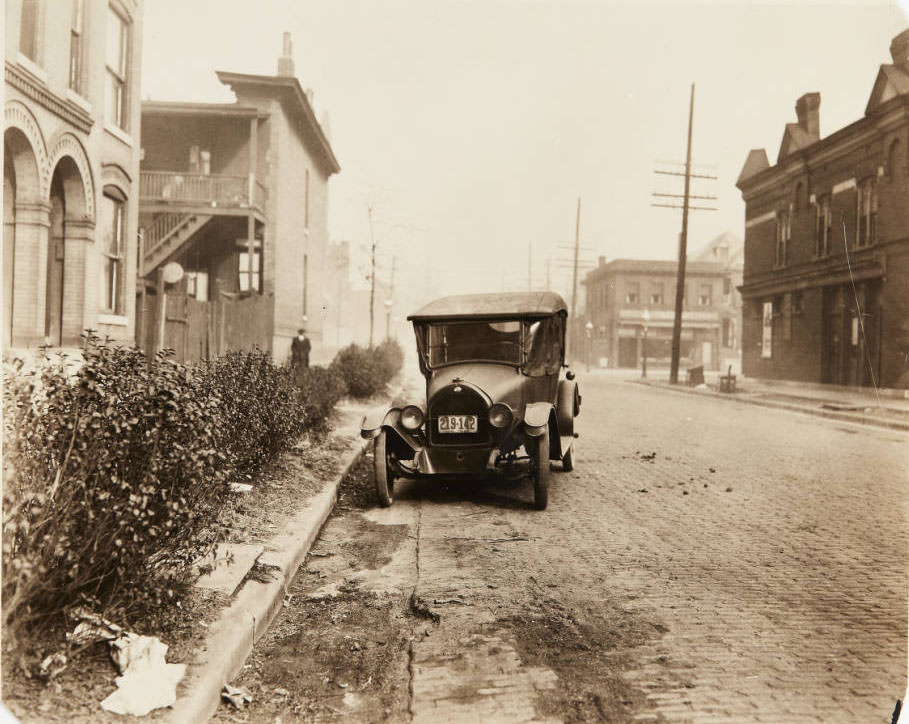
(216, 193)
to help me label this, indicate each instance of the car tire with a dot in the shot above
(539, 466)
(568, 460)
(383, 474)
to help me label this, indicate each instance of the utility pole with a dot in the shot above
(683, 255)
(372, 276)
(683, 242)
(548, 275)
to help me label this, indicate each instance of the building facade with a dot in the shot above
(631, 308)
(237, 194)
(826, 278)
(71, 170)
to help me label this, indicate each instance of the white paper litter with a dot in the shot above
(148, 682)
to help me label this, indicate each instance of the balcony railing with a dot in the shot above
(196, 189)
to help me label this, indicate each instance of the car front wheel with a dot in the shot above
(539, 469)
(568, 460)
(384, 477)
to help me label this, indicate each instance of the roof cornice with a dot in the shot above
(178, 108)
(299, 99)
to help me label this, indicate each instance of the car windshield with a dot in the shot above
(451, 342)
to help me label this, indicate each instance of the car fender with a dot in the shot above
(536, 417)
(377, 418)
(382, 418)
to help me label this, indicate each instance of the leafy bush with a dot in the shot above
(260, 411)
(391, 358)
(319, 392)
(367, 371)
(111, 479)
(115, 473)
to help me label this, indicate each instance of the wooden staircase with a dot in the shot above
(167, 235)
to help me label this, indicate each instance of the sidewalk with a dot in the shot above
(253, 607)
(886, 408)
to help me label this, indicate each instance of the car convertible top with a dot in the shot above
(492, 306)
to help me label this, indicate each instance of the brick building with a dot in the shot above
(826, 278)
(70, 169)
(237, 194)
(631, 305)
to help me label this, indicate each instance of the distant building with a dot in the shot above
(237, 194)
(631, 305)
(826, 278)
(70, 169)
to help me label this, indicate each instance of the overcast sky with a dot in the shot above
(473, 127)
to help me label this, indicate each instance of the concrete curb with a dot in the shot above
(233, 635)
(858, 419)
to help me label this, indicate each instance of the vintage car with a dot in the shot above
(499, 399)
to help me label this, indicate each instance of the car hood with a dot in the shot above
(502, 383)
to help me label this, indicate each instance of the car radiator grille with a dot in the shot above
(465, 402)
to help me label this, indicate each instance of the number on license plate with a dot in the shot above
(457, 423)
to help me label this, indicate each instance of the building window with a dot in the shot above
(113, 225)
(783, 233)
(656, 294)
(197, 285)
(822, 227)
(704, 296)
(250, 279)
(786, 313)
(75, 47)
(767, 330)
(728, 332)
(866, 233)
(632, 293)
(895, 161)
(116, 92)
(28, 29)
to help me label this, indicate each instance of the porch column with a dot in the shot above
(32, 227)
(251, 219)
(78, 236)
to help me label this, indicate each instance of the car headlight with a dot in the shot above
(411, 417)
(500, 415)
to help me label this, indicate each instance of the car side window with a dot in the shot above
(542, 348)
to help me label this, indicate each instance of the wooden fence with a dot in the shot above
(199, 330)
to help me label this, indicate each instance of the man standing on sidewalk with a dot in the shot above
(299, 352)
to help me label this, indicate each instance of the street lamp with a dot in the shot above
(388, 303)
(646, 317)
(589, 329)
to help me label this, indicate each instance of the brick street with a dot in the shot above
(706, 561)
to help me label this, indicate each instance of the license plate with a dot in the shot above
(457, 423)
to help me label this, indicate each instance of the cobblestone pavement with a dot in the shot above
(706, 561)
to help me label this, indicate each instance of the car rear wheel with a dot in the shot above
(539, 469)
(384, 477)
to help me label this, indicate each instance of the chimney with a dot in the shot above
(807, 109)
(286, 61)
(601, 261)
(899, 50)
